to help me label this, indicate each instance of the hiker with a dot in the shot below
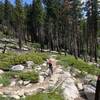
(97, 94)
(49, 62)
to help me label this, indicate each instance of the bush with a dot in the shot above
(29, 76)
(5, 80)
(45, 96)
(4, 98)
(5, 65)
(43, 55)
(78, 63)
(8, 59)
(36, 45)
(26, 76)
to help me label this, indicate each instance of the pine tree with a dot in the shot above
(19, 21)
(92, 28)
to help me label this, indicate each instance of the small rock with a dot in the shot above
(39, 90)
(13, 83)
(28, 93)
(15, 97)
(1, 71)
(5, 96)
(59, 71)
(7, 92)
(41, 79)
(23, 97)
(67, 74)
(20, 82)
(53, 55)
(30, 64)
(20, 92)
(29, 85)
(1, 93)
(37, 68)
(80, 86)
(17, 68)
(26, 82)
(1, 85)
(74, 72)
(44, 64)
(98, 65)
(90, 63)
(25, 49)
(89, 78)
(93, 83)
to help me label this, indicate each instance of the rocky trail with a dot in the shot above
(72, 87)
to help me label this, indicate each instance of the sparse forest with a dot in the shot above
(71, 26)
(50, 50)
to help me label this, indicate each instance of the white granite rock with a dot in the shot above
(89, 91)
(17, 68)
(30, 64)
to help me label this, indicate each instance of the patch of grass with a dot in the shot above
(36, 45)
(45, 96)
(5, 80)
(5, 98)
(8, 59)
(29, 76)
(25, 76)
(77, 63)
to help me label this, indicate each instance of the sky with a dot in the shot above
(27, 1)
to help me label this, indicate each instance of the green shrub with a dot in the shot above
(26, 76)
(4, 98)
(19, 59)
(5, 80)
(8, 59)
(35, 57)
(43, 55)
(78, 63)
(36, 45)
(45, 96)
(29, 76)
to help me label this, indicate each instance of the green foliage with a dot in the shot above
(45, 96)
(5, 98)
(29, 76)
(43, 55)
(36, 45)
(5, 80)
(25, 76)
(78, 63)
(8, 59)
(38, 12)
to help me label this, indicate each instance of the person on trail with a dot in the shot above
(97, 94)
(49, 62)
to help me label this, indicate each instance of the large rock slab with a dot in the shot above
(70, 91)
(17, 68)
(89, 91)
